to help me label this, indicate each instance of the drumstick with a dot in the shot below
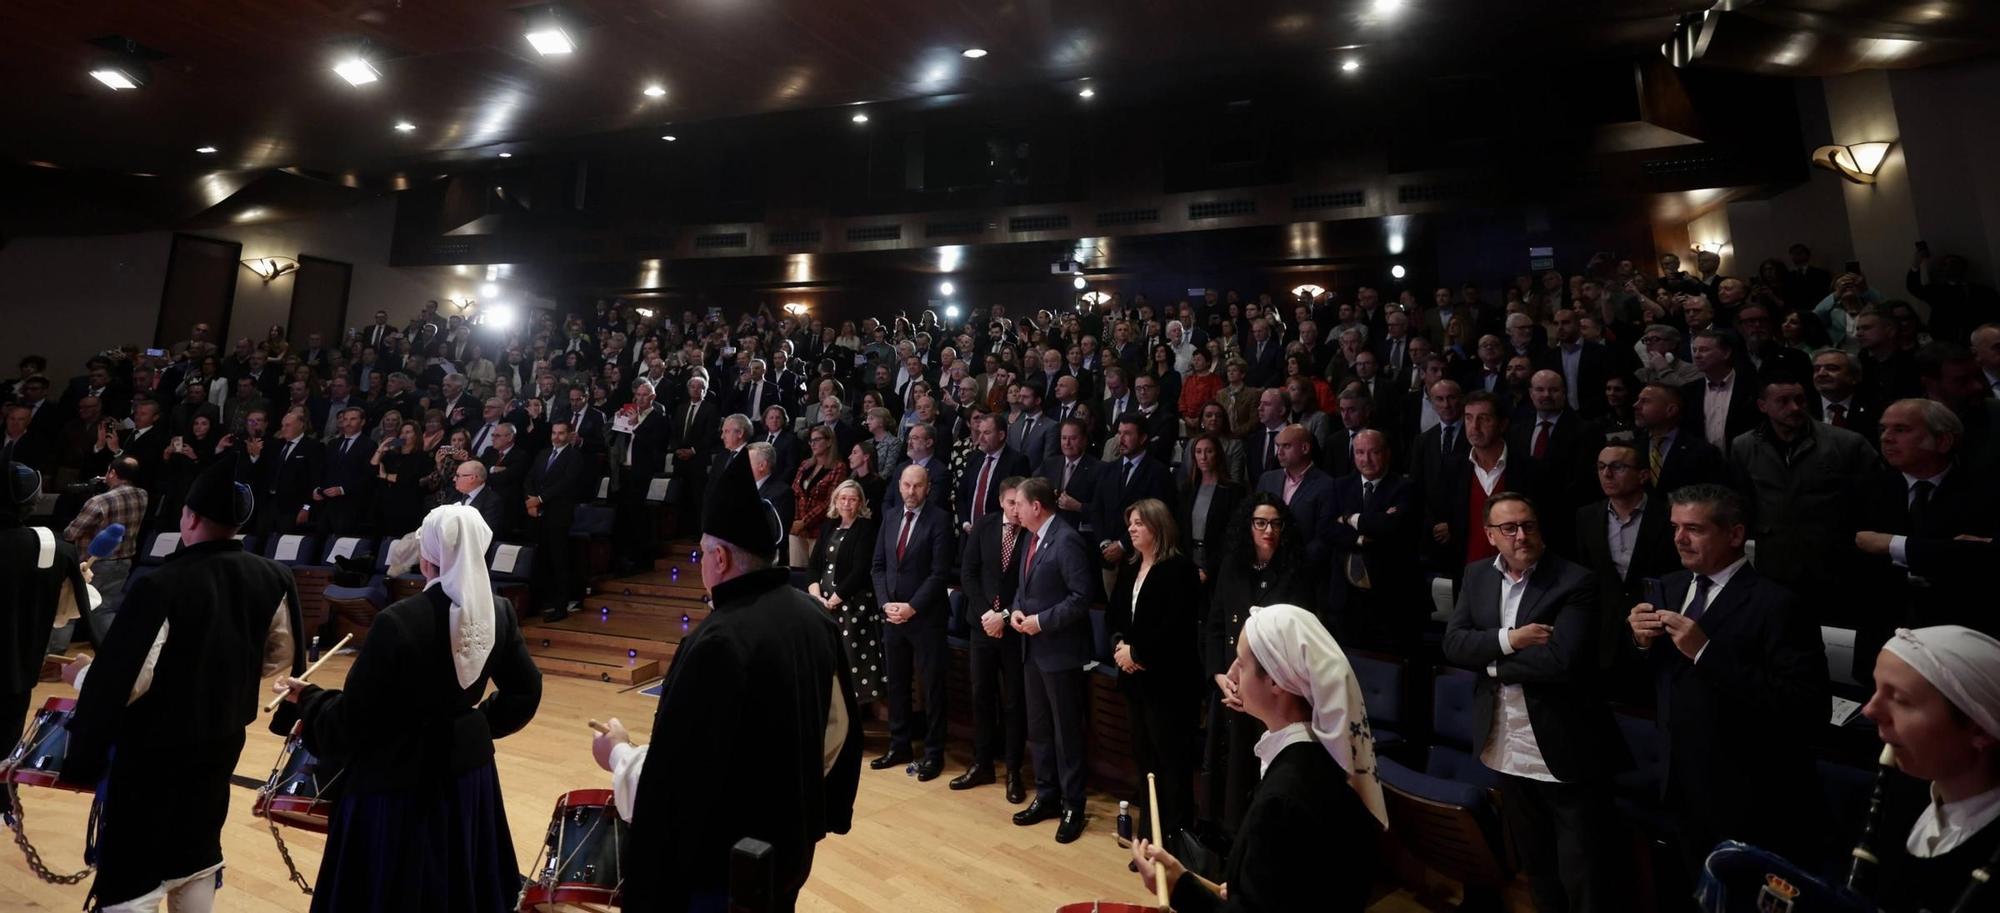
(600, 727)
(59, 658)
(1153, 806)
(273, 705)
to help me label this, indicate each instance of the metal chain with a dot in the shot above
(16, 823)
(286, 854)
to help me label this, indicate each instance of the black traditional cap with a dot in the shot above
(734, 513)
(217, 496)
(23, 483)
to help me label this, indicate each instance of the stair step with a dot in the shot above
(548, 636)
(620, 625)
(655, 586)
(605, 666)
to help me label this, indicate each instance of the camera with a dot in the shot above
(89, 488)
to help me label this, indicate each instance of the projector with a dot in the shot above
(1065, 268)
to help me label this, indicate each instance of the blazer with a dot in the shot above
(979, 576)
(562, 485)
(1162, 626)
(778, 493)
(1864, 416)
(939, 469)
(1743, 414)
(740, 401)
(1010, 463)
(1653, 557)
(649, 444)
(1057, 589)
(1564, 477)
(853, 576)
(1082, 486)
(1690, 459)
(1388, 524)
(492, 508)
(1572, 725)
(1150, 479)
(920, 575)
(1737, 728)
(1312, 507)
(1258, 458)
(1963, 504)
(1428, 458)
(699, 435)
(1038, 443)
(286, 483)
(1221, 512)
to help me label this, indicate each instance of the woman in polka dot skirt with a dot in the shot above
(841, 559)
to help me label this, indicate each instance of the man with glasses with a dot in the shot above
(1163, 427)
(1624, 541)
(1525, 620)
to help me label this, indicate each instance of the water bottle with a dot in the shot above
(1125, 821)
(312, 651)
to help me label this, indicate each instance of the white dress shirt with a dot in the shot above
(1510, 746)
(1715, 410)
(1945, 825)
(1273, 743)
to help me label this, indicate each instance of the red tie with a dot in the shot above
(1028, 563)
(1541, 440)
(903, 541)
(1836, 415)
(979, 496)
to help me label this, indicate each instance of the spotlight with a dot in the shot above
(859, 118)
(488, 290)
(951, 312)
(551, 40)
(670, 137)
(1397, 271)
(973, 53)
(403, 126)
(946, 289)
(506, 155)
(1388, 7)
(655, 91)
(205, 150)
(1350, 65)
(1079, 283)
(120, 76)
(357, 71)
(498, 316)
(1086, 92)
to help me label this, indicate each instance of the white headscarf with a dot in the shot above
(1961, 663)
(454, 538)
(1301, 657)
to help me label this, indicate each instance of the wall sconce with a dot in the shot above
(269, 268)
(795, 308)
(1856, 163)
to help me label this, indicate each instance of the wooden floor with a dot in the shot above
(914, 847)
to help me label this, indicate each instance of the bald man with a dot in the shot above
(1305, 488)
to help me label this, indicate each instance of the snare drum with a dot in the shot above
(299, 793)
(577, 871)
(38, 760)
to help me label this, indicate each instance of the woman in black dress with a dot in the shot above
(183, 461)
(420, 824)
(401, 465)
(842, 558)
(1262, 564)
(864, 469)
(1207, 504)
(1154, 633)
(1308, 839)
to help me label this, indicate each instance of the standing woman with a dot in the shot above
(812, 488)
(866, 472)
(842, 556)
(881, 428)
(1154, 631)
(421, 824)
(1308, 840)
(533, 435)
(1262, 563)
(1208, 499)
(1215, 424)
(185, 458)
(400, 463)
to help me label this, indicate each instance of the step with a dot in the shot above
(547, 636)
(604, 665)
(669, 611)
(637, 627)
(657, 585)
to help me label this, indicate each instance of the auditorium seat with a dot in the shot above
(353, 608)
(151, 554)
(1100, 645)
(1446, 814)
(1383, 691)
(293, 549)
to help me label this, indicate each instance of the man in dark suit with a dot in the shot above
(1032, 433)
(461, 409)
(588, 425)
(919, 449)
(561, 477)
(1525, 621)
(1624, 540)
(1762, 353)
(1074, 474)
(1260, 446)
(1305, 488)
(990, 462)
(1454, 500)
(1163, 424)
(1135, 476)
(1052, 615)
(507, 472)
(754, 392)
(1583, 367)
(1555, 448)
(1723, 404)
(1805, 284)
(1837, 399)
(637, 456)
(470, 481)
(1675, 457)
(1442, 442)
(1926, 493)
(913, 562)
(20, 443)
(283, 472)
(1739, 676)
(989, 574)
(1357, 414)
(775, 491)
(1265, 355)
(341, 500)
(1375, 591)
(696, 432)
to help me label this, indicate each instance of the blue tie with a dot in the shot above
(1700, 603)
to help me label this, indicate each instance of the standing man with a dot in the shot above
(989, 575)
(161, 712)
(990, 462)
(1624, 541)
(283, 471)
(1305, 488)
(1074, 473)
(638, 453)
(1052, 614)
(1375, 593)
(1525, 620)
(1457, 500)
(1675, 456)
(342, 497)
(507, 473)
(1136, 476)
(120, 502)
(34, 569)
(776, 492)
(1739, 674)
(919, 449)
(913, 563)
(558, 480)
(1723, 403)
(758, 708)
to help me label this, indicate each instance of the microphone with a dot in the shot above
(107, 541)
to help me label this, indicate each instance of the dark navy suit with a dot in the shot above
(1056, 578)
(917, 577)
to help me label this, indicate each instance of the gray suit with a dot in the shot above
(1056, 578)
(1038, 443)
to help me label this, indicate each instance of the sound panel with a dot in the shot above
(319, 301)
(200, 287)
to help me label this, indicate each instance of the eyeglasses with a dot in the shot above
(1264, 524)
(1615, 467)
(1511, 530)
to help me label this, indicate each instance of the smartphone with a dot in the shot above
(1853, 266)
(1656, 593)
(156, 353)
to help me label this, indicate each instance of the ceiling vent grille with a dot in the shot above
(1054, 221)
(1221, 209)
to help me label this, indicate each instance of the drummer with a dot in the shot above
(1308, 837)
(420, 823)
(34, 566)
(1937, 704)
(161, 714)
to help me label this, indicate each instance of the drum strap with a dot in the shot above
(47, 558)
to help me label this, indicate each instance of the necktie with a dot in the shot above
(1006, 557)
(1028, 427)
(985, 475)
(1836, 415)
(1450, 438)
(1028, 563)
(1541, 448)
(1270, 448)
(478, 446)
(1367, 494)
(1920, 502)
(1131, 466)
(1069, 468)
(344, 444)
(1656, 457)
(903, 539)
(773, 439)
(552, 459)
(688, 426)
(1700, 603)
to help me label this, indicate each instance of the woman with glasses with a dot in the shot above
(1263, 564)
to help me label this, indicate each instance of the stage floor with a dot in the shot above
(914, 846)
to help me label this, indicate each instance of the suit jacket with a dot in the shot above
(1312, 507)
(1267, 368)
(1962, 504)
(1057, 588)
(1864, 416)
(1743, 414)
(1150, 479)
(1010, 463)
(562, 485)
(1082, 486)
(1384, 535)
(786, 446)
(1593, 366)
(1804, 290)
(352, 472)
(1572, 725)
(1564, 477)
(1688, 460)
(1738, 726)
(1038, 443)
(938, 468)
(1427, 457)
(1222, 506)
(492, 507)
(1160, 626)
(649, 444)
(1653, 557)
(1780, 360)
(980, 577)
(1163, 431)
(920, 575)
(700, 435)
(508, 473)
(470, 421)
(1258, 457)
(1448, 501)
(778, 493)
(740, 401)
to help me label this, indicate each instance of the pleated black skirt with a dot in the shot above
(447, 851)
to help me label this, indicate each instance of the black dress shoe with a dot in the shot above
(889, 760)
(1071, 826)
(1037, 812)
(929, 768)
(976, 775)
(1017, 791)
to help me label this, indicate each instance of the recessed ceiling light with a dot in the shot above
(205, 150)
(506, 155)
(973, 53)
(403, 126)
(1350, 65)
(1079, 283)
(551, 40)
(1388, 7)
(1086, 92)
(119, 77)
(655, 91)
(860, 118)
(946, 288)
(670, 137)
(356, 71)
